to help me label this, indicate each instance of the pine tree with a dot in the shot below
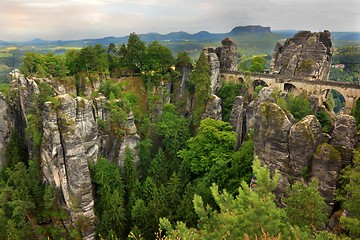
(110, 207)
(173, 196)
(158, 168)
(304, 205)
(250, 214)
(351, 203)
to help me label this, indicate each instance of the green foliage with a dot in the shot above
(304, 205)
(5, 89)
(130, 183)
(182, 60)
(16, 150)
(157, 58)
(325, 120)
(227, 93)
(44, 65)
(158, 168)
(110, 205)
(350, 57)
(173, 129)
(356, 113)
(298, 106)
(241, 164)
(249, 214)
(133, 52)
(351, 196)
(209, 152)
(253, 64)
(199, 84)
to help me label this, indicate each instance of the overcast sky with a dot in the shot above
(77, 19)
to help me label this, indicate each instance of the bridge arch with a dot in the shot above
(258, 82)
(289, 87)
(335, 98)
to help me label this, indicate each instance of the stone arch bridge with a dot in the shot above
(350, 91)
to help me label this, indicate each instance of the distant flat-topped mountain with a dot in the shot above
(250, 29)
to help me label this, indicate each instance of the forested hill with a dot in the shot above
(129, 142)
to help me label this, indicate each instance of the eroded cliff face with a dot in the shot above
(305, 55)
(69, 144)
(6, 125)
(71, 140)
(299, 150)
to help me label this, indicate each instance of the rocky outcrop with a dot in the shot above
(265, 94)
(344, 137)
(271, 139)
(306, 55)
(345, 132)
(214, 64)
(129, 141)
(6, 125)
(221, 58)
(227, 54)
(213, 108)
(237, 119)
(305, 136)
(75, 133)
(298, 150)
(69, 144)
(326, 167)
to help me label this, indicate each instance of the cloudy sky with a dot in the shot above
(76, 19)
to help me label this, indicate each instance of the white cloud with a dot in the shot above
(73, 19)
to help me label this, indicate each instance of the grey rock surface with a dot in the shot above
(6, 125)
(237, 118)
(213, 108)
(326, 166)
(306, 55)
(305, 136)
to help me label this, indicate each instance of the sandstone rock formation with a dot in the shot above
(304, 138)
(237, 119)
(271, 139)
(326, 167)
(227, 55)
(213, 108)
(224, 58)
(130, 141)
(214, 64)
(345, 132)
(297, 150)
(344, 137)
(69, 144)
(305, 55)
(6, 125)
(71, 140)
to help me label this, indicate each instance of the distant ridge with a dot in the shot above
(250, 29)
